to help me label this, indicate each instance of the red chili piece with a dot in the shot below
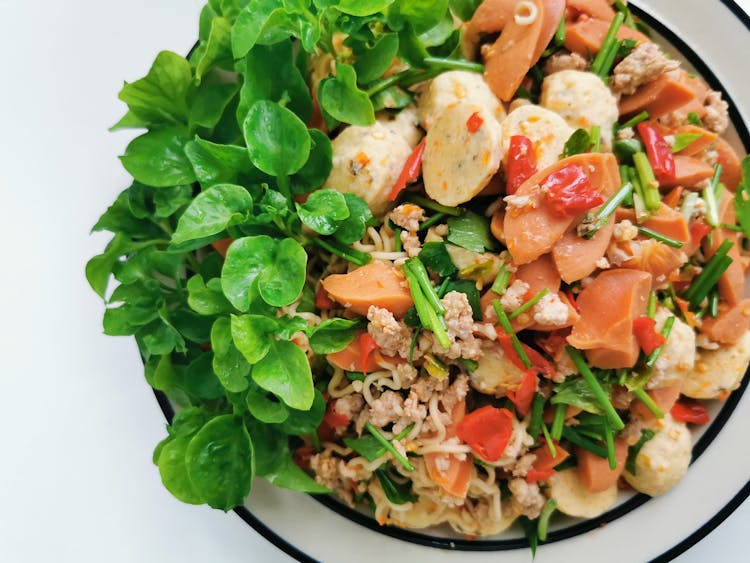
(698, 230)
(521, 163)
(539, 363)
(411, 171)
(367, 345)
(659, 152)
(524, 395)
(569, 191)
(644, 329)
(487, 431)
(322, 301)
(535, 475)
(686, 410)
(474, 122)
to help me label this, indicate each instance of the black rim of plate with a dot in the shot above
(456, 544)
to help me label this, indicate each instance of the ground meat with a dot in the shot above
(625, 133)
(455, 393)
(327, 471)
(349, 406)
(513, 297)
(392, 336)
(522, 466)
(527, 499)
(459, 319)
(565, 61)
(717, 113)
(551, 311)
(387, 408)
(406, 374)
(426, 386)
(410, 243)
(645, 63)
(625, 230)
(407, 216)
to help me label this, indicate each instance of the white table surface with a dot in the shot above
(78, 424)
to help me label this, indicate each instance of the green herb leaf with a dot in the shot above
(277, 140)
(207, 298)
(470, 231)
(340, 97)
(323, 211)
(218, 164)
(397, 493)
(160, 98)
(281, 281)
(302, 422)
(229, 364)
(464, 9)
(578, 143)
(332, 335)
(157, 158)
(220, 462)
(577, 393)
(633, 451)
(260, 21)
(373, 61)
(683, 140)
(285, 372)
(253, 335)
(318, 166)
(264, 407)
(212, 211)
(362, 7)
(742, 198)
(173, 470)
(435, 256)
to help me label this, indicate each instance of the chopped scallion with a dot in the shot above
(342, 251)
(648, 402)
(610, 43)
(420, 272)
(665, 331)
(501, 280)
(537, 410)
(635, 120)
(571, 435)
(433, 205)
(649, 185)
(712, 271)
(389, 446)
(590, 226)
(660, 237)
(544, 516)
(453, 64)
(651, 306)
(529, 304)
(604, 403)
(505, 323)
(549, 440)
(688, 205)
(558, 422)
(436, 218)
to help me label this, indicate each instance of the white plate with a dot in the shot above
(713, 39)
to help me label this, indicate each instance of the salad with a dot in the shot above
(468, 263)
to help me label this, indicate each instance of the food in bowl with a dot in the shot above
(468, 265)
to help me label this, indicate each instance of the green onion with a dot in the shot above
(648, 402)
(548, 439)
(610, 442)
(635, 120)
(544, 516)
(665, 330)
(316, 441)
(559, 421)
(624, 149)
(660, 237)
(609, 59)
(397, 238)
(596, 388)
(501, 280)
(412, 346)
(651, 306)
(529, 304)
(443, 289)
(342, 251)
(537, 410)
(427, 315)
(649, 184)
(596, 138)
(431, 221)
(575, 438)
(453, 64)
(389, 447)
(688, 205)
(609, 44)
(601, 218)
(420, 272)
(693, 119)
(710, 197)
(620, 6)
(433, 205)
(713, 303)
(505, 323)
(560, 32)
(710, 274)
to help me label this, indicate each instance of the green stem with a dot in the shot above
(453, 64)
(433, 205)
(423, 278)
(660, 237)
(501, 281)
(635, 120)
(389, 447)
(559, 421)
(651, 197)
(432, 220)
(666, 329)
(348, 254)
(505, 323)
(529, 304)
(609, 40)
(596, 388)
(648, 402)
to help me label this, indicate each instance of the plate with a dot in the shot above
(638, 528)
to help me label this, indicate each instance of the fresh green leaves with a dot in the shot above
(219, 460)
(435, 256)
(579, 142)
(397, 493)
(470, 231)
(340, 97)
(332, 335)
(285, 372)
(323, 211)
(157, 158)
(213, 211)
(266, 267)
(159, 99)
(277, 140)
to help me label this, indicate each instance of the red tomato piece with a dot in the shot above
(521, 162)
(659, 152)
(523, 396)
(644, 329)
(487, 431)
(535, 475)
(569, 191)
(686, 410)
